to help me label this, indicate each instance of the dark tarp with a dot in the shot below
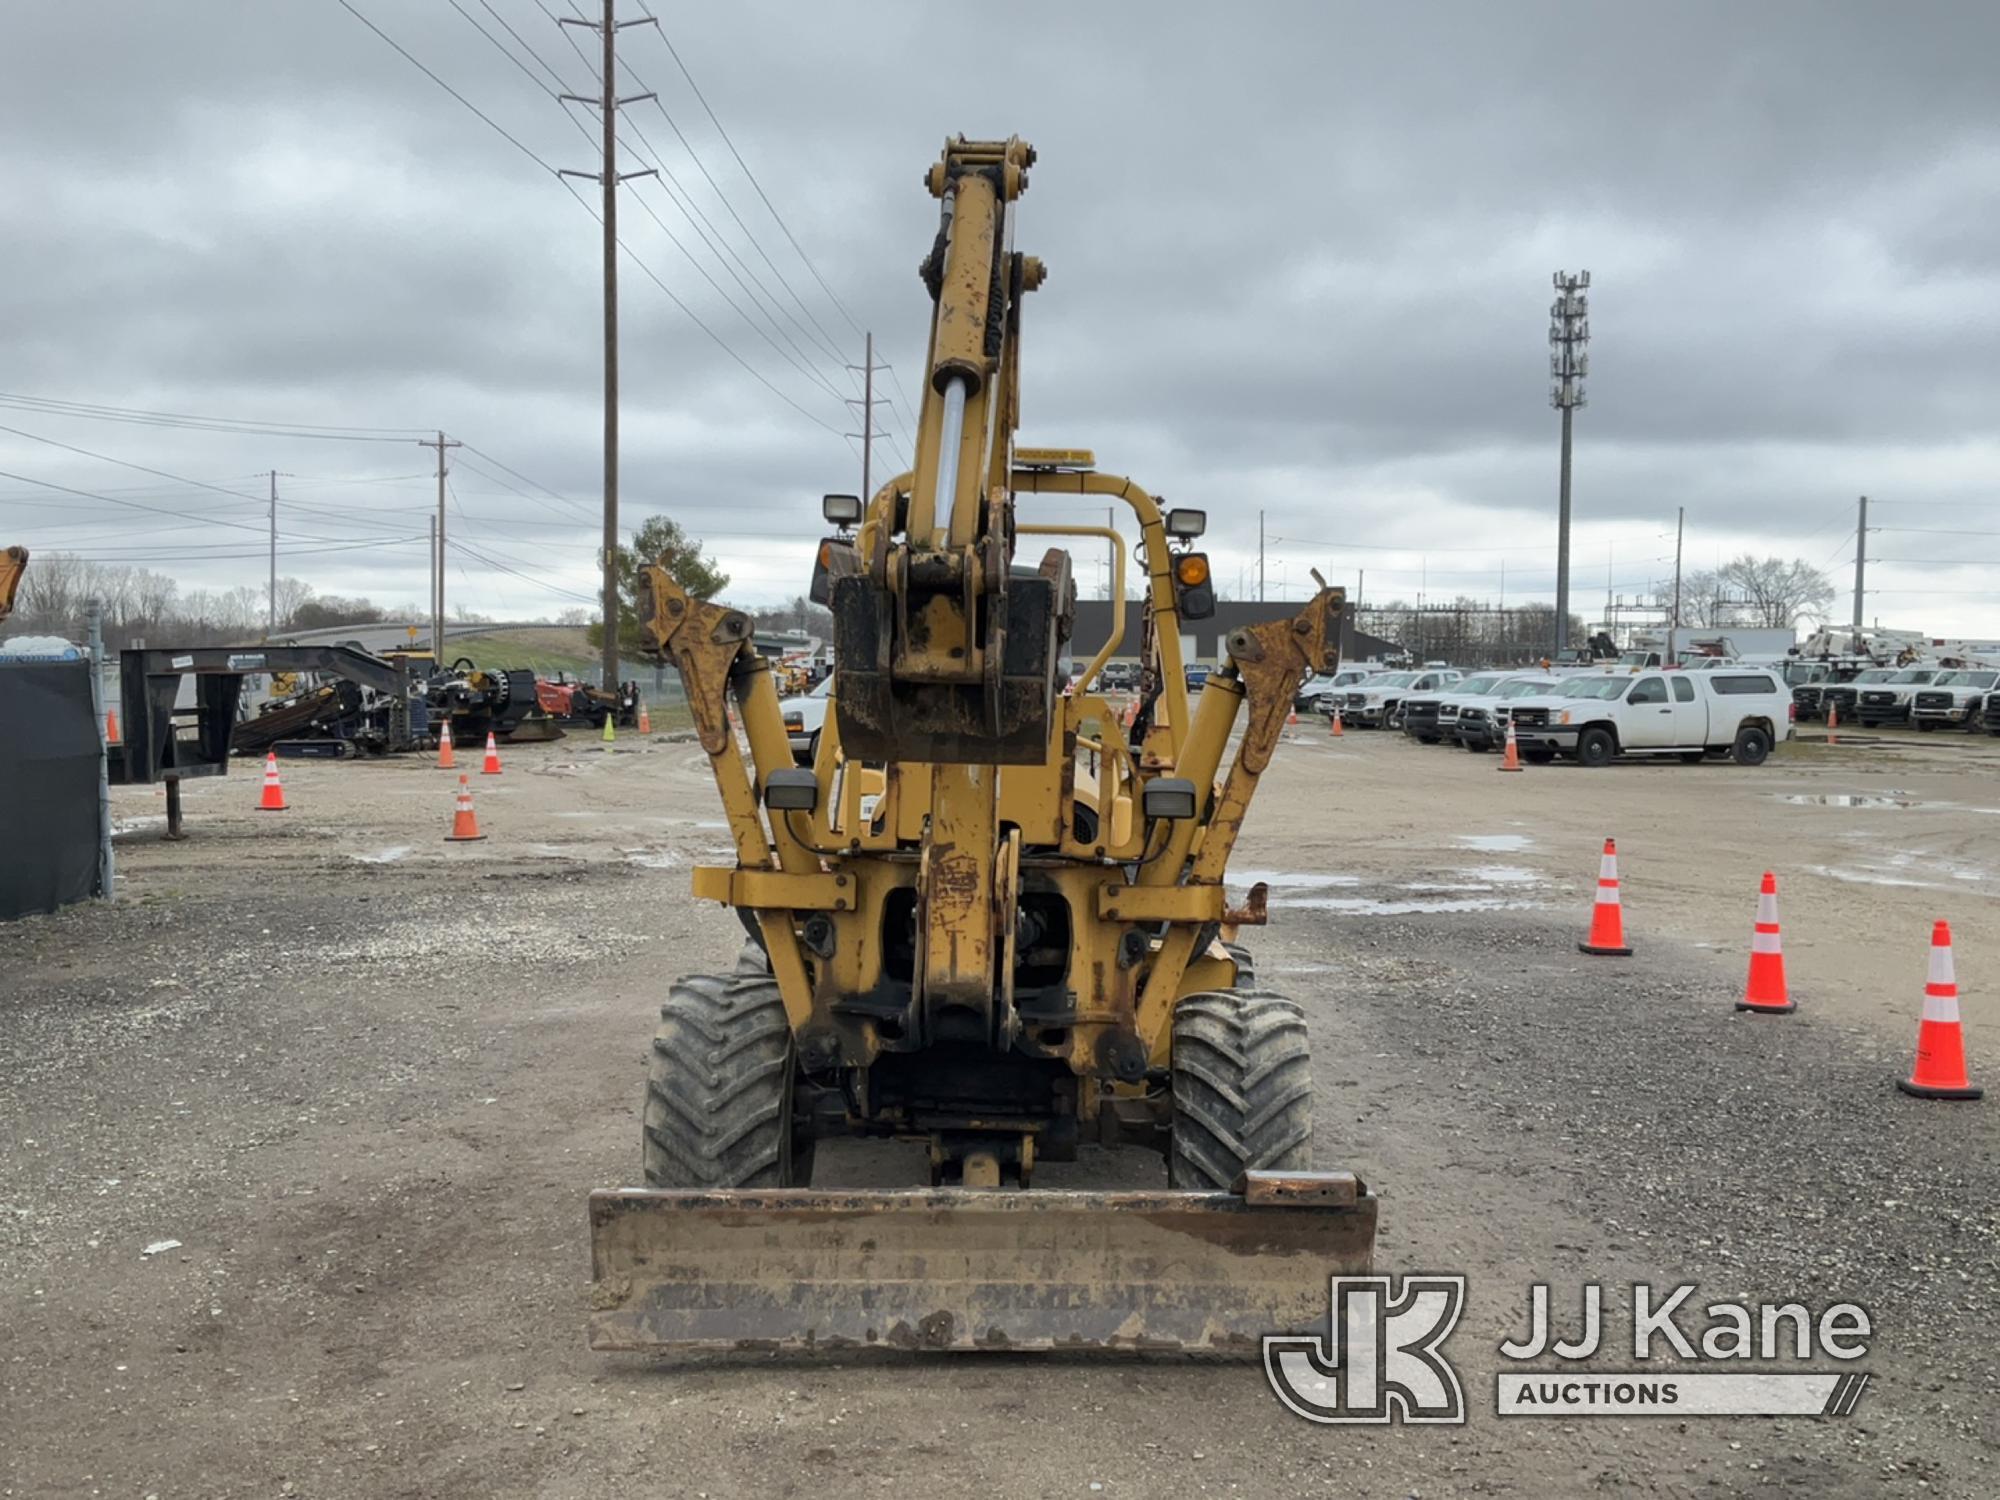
(48, 786)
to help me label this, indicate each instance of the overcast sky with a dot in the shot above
(1300, 261)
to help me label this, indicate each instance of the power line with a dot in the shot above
(526, 46)
(694, 318)
(643, 266)
(247, 426)
(1413, 547)
(1917, 530)
(123, 464)
(501, 48)
(542, 583)
(777, 217)
(493, 124)
(690, 211)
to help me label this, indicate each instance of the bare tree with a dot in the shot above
(1703, 598)
(1775, 593)
(292, 595)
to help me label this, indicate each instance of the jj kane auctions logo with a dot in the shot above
(1381, 1359)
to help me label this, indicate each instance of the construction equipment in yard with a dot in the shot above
(585, 703)
(988, 918)
(491, 700)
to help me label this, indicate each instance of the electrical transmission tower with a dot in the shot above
(1569, 331)
(867, 402)
(441, 442)
(608, 177)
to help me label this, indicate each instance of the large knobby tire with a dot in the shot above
(1595, 747)
(719, 1089)
(1242, 1088)
(1751, 747)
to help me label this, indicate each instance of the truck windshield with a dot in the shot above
(1597, 687)
(1393, 679)
(1878, 674)
(1520, 687)
(1474, 686)
(1918, 674)
(1797, 674)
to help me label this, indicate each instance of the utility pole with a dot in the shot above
(271, 614)
(867, 434)
(437, 570)
(1680, 529)
(608, 177)
(1569, 331)
(1260, 557)
(440, 442)
(1860, 570)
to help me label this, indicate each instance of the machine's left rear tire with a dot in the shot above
(719, 1088)
(1242, 1088)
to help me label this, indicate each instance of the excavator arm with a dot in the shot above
(13, 563)
(944, 652)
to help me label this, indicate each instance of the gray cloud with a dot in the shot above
(1300, 266)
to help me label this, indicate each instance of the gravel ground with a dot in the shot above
(365, 1079)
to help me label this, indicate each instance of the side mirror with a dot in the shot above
(1185, 525)
(841, 510)
(792, 790)
(1167, 797)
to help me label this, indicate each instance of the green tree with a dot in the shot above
(662, 541)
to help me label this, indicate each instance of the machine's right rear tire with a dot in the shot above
(1242, 1088)
(719, 1088)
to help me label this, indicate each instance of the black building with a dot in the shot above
(1201, 640)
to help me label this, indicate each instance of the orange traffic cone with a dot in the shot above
(645, 720)
(1832, 723)
(445, 761)
(1338, 731)
(1940, 1070)
(111, 726)
(274, 794)
(1607, 918)
(492, 766)
(464, 826)
(1766, 990)
(1511, 761)
(1291, 724)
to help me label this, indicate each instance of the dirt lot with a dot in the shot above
(365, 1080)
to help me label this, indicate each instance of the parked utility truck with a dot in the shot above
(1594, 720)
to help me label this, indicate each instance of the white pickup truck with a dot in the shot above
(1594, 719)
(1889, 702)
(1953, 699)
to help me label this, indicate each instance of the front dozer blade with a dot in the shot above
(957, 1268)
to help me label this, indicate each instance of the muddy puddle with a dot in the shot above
(1478, 888)
(1494, 843)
